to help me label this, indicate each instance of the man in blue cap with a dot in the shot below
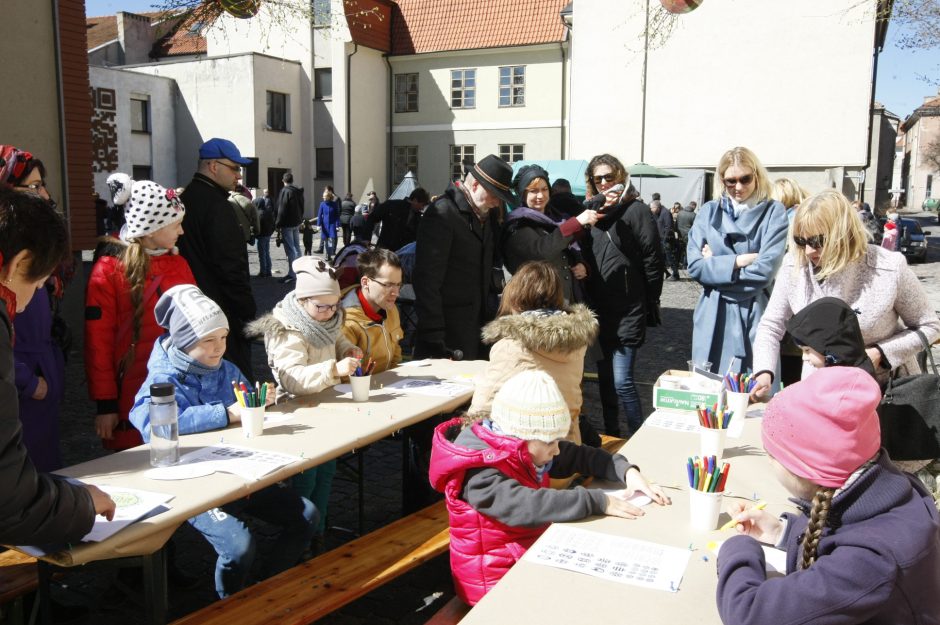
(214, 245)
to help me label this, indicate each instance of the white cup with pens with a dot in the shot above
(361, 381)
(252, 404)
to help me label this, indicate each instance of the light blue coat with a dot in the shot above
(733, 300)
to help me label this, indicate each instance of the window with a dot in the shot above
(512, 86)
(929, 193)
(324, 162)
(463, 88)
(321, 13)
(323, 84)
(460, 155)
(141, 172)
(512, 153)
(406, 93)
(140, 115)
(278, 107)
(405, 159)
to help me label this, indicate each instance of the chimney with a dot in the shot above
(134, 36)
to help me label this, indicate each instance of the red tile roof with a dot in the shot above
(101, 30)
(180, 41)
(440, 25)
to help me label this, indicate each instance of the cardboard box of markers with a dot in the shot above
(684, 390)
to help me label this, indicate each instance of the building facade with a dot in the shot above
(920, 175)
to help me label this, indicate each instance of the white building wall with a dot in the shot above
(791, 79)
(156, 149)
(368, 144)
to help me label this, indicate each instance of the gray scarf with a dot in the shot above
(318, 333)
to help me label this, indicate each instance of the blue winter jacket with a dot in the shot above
(328, 218)
(202, 398)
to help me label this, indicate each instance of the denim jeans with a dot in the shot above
(264, 256)
(291, 238)
(615, 375)
(232, 540)
(315, 484)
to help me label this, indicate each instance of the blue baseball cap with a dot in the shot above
(222, 148)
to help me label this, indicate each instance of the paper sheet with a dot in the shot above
(775, 559)
(417, 363)
(636, 497)
(251, 464)
(613, 558)
(435, 388)
(132, 505)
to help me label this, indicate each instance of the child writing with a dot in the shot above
(189, 356)
(125, 283)
(866, 549)
(495, 475)
(307, 353)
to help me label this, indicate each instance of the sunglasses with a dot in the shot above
(743, 180)
(816, 241)
(603, 178)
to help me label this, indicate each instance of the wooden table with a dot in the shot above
(325, 426)
(546, 595)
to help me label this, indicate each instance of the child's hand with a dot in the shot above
(354, 352)
(234, 413)
(758, 524)
(271, 394)
(346, 367)
(619, 507)
(636, 482)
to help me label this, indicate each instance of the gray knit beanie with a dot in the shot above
(189, 315)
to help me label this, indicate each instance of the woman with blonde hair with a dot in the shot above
(535, 330)
(832, 258)
(735, 248)
(788, 192)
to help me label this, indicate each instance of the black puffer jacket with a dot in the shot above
(625, 261)
(35, 508)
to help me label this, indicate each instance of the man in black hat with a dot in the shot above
(454, 274)
(214, 245)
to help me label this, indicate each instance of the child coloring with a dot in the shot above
(495, 476)
(307, 352)
(189, 356)
(867, 548)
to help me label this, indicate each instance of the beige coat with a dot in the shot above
(299, 367)
(554, 344)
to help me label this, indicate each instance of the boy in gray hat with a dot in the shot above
(189, 356)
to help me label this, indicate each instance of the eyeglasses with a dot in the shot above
(33, 186)
(388, 285)
(743, 180)
(234, 168)
(816, 241)
(322, 308)
(604, 177)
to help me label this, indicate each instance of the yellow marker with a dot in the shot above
(727, 526)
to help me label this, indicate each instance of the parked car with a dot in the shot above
(913, 241)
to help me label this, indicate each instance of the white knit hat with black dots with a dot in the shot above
(530, 406)
(147, 205)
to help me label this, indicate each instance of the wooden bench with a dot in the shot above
(18, 578)
(315, 588)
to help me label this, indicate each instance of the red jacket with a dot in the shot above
(108, 332)
(482, 549)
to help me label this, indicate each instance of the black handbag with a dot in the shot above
(910, 414)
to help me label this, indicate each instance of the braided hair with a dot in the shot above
(818, 517)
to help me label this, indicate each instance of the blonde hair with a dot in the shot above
(845, 238)
(743, 157)
(788, 192)
(818, 519)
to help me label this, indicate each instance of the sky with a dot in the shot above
(898, 88)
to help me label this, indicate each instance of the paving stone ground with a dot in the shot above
(406, 599)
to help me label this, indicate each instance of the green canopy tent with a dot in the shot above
(571, 170)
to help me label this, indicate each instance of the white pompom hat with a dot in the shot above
(147, 205)
(531, 407)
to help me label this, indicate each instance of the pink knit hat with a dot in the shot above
(825, 427)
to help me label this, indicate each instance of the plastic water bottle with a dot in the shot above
(164, 426)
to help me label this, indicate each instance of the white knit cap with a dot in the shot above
(147, 205)
(530, 406)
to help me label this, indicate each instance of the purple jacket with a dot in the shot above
(36, 355)
(878, 562)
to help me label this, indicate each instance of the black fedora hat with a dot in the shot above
(495, 175)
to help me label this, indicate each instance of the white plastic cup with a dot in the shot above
(704, 509)
(252, 422)
(360, 387)
(713, 442)
(737, 403)
(705, 366)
